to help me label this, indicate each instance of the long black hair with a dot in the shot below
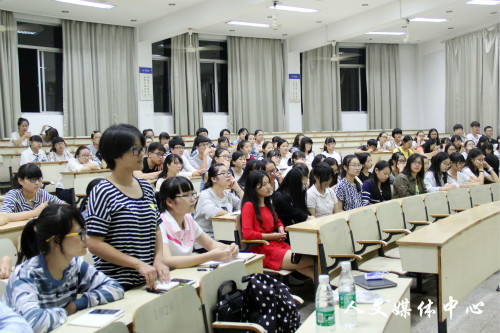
(292, 187)
(323, 172)
(306, 140)
(427, 145)
(56, 140)
(327, 141)
(296, 143)
(295, 156)
(473, 153)
(345, 164)
(171, 188)
(331, 162)
(435, 168)
(212, 173)
(411, 159)
(55, 220)
(172, 158)
(236, 155)
(433, 130)
(385, 186)
(252, 165)
(253, 181)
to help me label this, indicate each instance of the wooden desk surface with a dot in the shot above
(441, 232)
(373, 323)
(86, 172)
(226, 217)
(13, 226)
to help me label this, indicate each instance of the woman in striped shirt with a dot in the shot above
(29, 200)
(44, 288)
(122, 215)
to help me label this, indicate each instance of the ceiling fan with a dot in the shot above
(340, 56)
(274, 18)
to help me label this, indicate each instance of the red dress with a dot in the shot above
(251, 229)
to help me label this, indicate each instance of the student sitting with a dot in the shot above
(282, 146)
(321, 199)
(405, 147)
(225, 133)
(59, 151)
(214, 200)
(474, 132)
(433, 134)
(152, 164)
(179, 231)
(221, 156)
(419, 140)
(259, 221)
(250, 166)
(200, 156)
(411, 180)
(455, 174)
(22, 135)
(48, 135)
(44, 288)
(396, 138)
(468, 145)
(290, 199)
(329, 150)
(172, 167)
(457, 143)
(348, 190)
(95, 137)
(370, 147)
(458, 129)
(436, 179)
(34, 153)
(378, 187)
(270, 169)
(306, 146)
(335, 168)
(296, 143)
(246, 148)
(259, 140)
(450, 149)
(29, 200)
(366, 161)
(164, 138)
(398, 163)
(238, 163)
(250, 137)
(177, 146)
(242, 132)
(488, 133)
(478, 169)
(81, 162)
(297, 157)
(223, 142)
(383, 142)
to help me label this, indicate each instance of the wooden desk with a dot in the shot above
(373, 323)
(13, 231)
(462, 250)
(77, 181)
(51, 171)
(137, 297)
(224, 227)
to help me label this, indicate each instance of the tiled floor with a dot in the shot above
(486, 322)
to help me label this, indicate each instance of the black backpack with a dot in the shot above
(229, 303)
(269, 303)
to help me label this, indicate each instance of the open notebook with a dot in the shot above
(242, 256)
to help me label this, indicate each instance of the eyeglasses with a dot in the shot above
(225, 174)
(191, 195)
(227, 157)
(417, 163)
(447, 165)
(158, 154)
(82, 234)
(35, 180)
(136, 151)
(84, 155)
(356, 166)
(179, 148)
(271, 172)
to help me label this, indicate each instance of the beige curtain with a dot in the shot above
(321, 90)
(99, 76)
(10, 97)
(382, 85)
(472, 79)
(187, 107)
(255, 81)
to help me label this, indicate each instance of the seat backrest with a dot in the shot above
(436, 203)
(364, 227)
(390, 216)
(238, 236)
(336, 239)
(480, 194)
(209, 285)
(178, 310)
(495, 191)
(414, 209)
(7, 248)
(459, 199)
(116, 327)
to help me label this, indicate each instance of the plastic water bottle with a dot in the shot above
(325, 306)
(347, 295)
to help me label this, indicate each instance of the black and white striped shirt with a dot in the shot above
(127, 224)
(15, 202)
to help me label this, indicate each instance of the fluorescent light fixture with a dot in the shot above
(294, 9)
(249, 24)
(427, 19)
(25, 32)
(390, 33)
(484, 2)
(88, 3)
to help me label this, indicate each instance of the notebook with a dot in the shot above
(97, 318)
(374, 284)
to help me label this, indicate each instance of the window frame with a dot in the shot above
(167, 60)
(358, 67)
(42, 100)
(215, 62)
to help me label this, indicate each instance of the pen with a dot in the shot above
(202, 269)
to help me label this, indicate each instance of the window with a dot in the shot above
(40, 67)
(213, 68)
(161, 76)
(353, 81)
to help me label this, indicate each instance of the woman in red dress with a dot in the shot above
(259, 221)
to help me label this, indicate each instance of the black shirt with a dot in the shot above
(287, 212)
(146, 168)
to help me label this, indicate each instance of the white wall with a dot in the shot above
(354, 121)
(37, 120)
